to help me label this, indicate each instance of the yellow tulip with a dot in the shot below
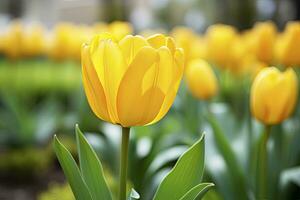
(33, 41)
(261, 40)
(120, 29)
(287, 49)
(184, 38)
(221, 41)
(131, 82)
(60, 45)
(273, 95)
(201, 79)
(12, 40)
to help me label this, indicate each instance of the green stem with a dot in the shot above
(263, 165)
(124, 163)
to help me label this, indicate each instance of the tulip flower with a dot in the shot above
(131, 82)
(201, 79)
(273, 98)
(287, 49)
(120, 29)
(261, 40)
(32, 43)
(12, 40)
(60, 45)
(274, 95)
(184, 38)
(221, 41)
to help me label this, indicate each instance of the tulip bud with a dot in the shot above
(120, 29)
(221, 40)
(273, 95)
(131, 82)
(287, 49)
(261, 40)
(201, 79)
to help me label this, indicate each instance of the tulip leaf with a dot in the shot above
(229, 156)
(186, 174)
(72, 172)
(133, 195)
(197, 192)
(91, 168)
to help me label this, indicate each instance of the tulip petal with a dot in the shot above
(130, 45)
(171, 45)
(171, 94)
(273, 95)
(157, 40)
(132, 100)
(93, 88)
(110, 66)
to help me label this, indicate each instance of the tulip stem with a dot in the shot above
(263, 164)
(124, 163)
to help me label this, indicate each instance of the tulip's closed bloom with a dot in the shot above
(131, 82)
(221, 41)
(12, 40)
(120, 29)
(201, 79)
(33, 41)
(184, 38)
(60, 45)
(274, 95)
(287, 49)
(261, 40)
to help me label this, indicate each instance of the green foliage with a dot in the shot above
(91, 168)
(186, 174)
(71, 171)
(183, 181)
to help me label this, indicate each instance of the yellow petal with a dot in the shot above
(273, 95)
(132, 101)
(130, 45)
(93, 88)
(110, 66)
(171, 94)
(201, 79)
(291, 76)
(171, 45)
(157, 40)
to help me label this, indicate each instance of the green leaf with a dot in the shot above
(228, 154)
(91, 168)
(71, 171)
(133, 195)
(197, 192)
(186, 174)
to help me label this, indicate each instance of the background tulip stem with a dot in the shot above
(262, 162)
(124, 163)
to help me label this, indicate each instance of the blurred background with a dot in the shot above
(198, 14)
(41, 94)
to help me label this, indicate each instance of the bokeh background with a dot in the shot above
(41, 94)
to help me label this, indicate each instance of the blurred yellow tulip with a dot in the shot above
(273, 95)
(131, 82)
(201, 79)
(120, 29)
(221, 40)
(60, 45)
(261, 40)
(287, 49)
(184, 38)
(12, 40)
(33, 41)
